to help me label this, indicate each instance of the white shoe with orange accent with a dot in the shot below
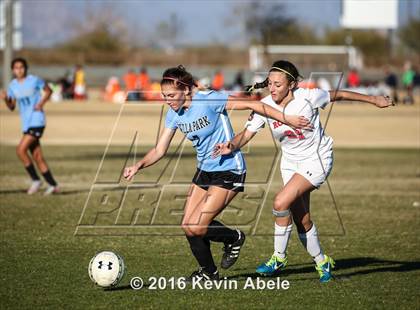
(35, 186)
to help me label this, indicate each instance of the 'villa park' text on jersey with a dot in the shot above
(205, 123)
(195, 125)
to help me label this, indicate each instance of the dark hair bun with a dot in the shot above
(178, 76)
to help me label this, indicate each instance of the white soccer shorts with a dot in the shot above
(315, 170)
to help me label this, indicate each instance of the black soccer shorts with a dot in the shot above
(224, 179)
(35, 132)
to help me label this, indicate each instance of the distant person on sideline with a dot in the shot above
(79, 84)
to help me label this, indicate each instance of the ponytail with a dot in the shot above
(289, 69)
(250, 88)
(179, 77)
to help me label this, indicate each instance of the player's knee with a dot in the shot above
(186, 228)
(198, 230)
(37, 157)
(20, 151)
(280, 204)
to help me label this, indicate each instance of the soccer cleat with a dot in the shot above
(324, 269)
(202, 275)
(35, 186)
(231, 251)
(51, 190)
(272, 266)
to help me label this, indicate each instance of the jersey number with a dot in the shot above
(294, 134)
(195, 141)
(25, 101)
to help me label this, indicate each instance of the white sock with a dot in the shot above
(311, 243)
(281, 239)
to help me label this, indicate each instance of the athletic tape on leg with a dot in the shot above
(283, 213)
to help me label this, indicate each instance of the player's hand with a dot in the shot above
(299, 122)
(222, 149)
(383, 101)
(38, 107)
(130, 172)
(3, 95)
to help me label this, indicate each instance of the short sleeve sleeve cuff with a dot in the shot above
(170, 120)
(255, 122)
(40, 83)
(319, 98)
(10, 93)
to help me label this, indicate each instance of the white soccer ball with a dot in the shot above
(106, 269)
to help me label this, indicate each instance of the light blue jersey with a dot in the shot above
(27, 94)
(206, 123)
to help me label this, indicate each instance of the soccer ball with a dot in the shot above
(106, 269)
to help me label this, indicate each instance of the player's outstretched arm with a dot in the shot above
(11, 103)
(236, 143)
(379, 101)
(295, 121)
(153, 156)
(45, 97)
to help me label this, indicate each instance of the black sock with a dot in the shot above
(200, 247)
(49, 178)
(32, 172)
(220, 233)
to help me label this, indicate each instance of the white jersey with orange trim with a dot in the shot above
(296, 144)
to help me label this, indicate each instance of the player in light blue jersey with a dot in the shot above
(202, 118)
(25, 92)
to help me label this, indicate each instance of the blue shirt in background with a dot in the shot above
(27, 94)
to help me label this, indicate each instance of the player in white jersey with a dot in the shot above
(307, 159)
(202, 117)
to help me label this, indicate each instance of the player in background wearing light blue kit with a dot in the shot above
(25, 92)
(202, 117)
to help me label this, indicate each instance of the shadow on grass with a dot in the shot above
(363, 266)
(23, 191)
(124, 287)
(13, 191)
(114, 155)
(375, 265)
(62, 192)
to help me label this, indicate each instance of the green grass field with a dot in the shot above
(44, 263)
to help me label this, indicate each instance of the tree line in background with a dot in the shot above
(104, 39)
(269, 24)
